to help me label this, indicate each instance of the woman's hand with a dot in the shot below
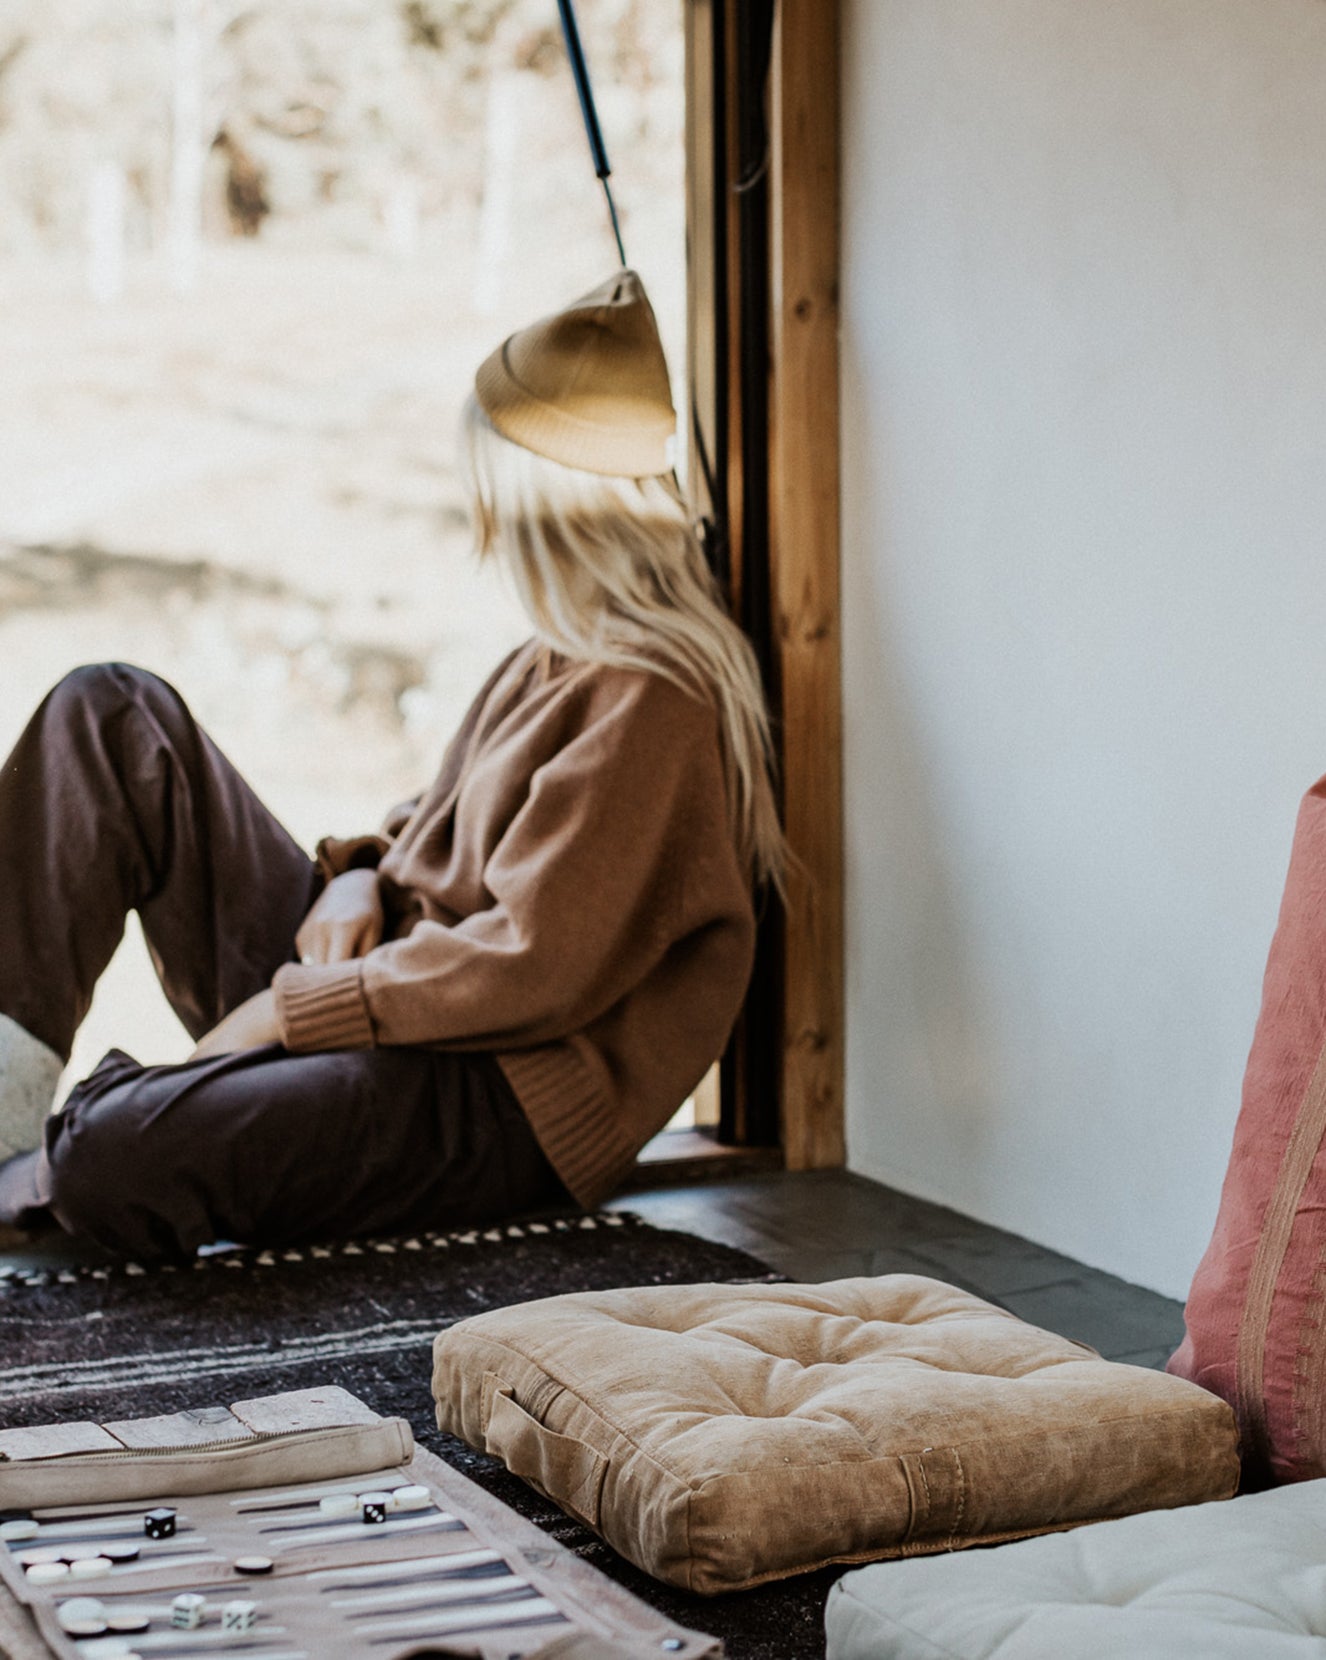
(345, 921)
(249, 1026)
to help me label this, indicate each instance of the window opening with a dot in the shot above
(250, 253)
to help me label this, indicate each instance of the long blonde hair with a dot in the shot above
(610, 570)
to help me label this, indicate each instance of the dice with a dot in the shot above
(373, 1507)
(239, 1615)
(188, 1611)
(160, 1523)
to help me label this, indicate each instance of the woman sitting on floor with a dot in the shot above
(499, 999)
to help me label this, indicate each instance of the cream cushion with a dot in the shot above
(1239, 1581)
(722, 1435)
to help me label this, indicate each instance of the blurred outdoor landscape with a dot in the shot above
(250, 254)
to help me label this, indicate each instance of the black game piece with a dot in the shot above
(120, 1553)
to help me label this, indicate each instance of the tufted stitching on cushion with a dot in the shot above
(724, 1339)
(720, 1405)
(1224, 1574)
(845, 1591)
(598, 1408)
(714, 1330)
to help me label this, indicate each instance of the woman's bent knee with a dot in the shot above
(100, 688)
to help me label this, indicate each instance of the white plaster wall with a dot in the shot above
(1084, 499)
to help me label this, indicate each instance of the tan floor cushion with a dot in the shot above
(1236, 1581)
(721, 1435)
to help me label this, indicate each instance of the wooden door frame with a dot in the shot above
(764, 465)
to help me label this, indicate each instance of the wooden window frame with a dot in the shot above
(762, 257)
(805, 560)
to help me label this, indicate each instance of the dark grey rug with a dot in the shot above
(98, 1342)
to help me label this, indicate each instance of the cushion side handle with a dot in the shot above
(563, 1468)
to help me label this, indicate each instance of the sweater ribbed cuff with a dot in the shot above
(322, 1006)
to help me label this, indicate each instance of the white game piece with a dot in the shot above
(18, 1529)
(188, 1611)
(46, 1573)
(239, 1616)
(339, 1504)
(108, 1648)
(90, 1567)
(416, 1497)
(80, 1608)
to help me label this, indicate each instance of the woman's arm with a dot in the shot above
(337, 854)
(586, 885)
(346, 921)
(249, 1026)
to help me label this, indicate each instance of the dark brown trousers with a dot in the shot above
(113, 800)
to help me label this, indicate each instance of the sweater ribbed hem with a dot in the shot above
(322, 1006)
(572, 1119)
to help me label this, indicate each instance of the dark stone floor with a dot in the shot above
(827, 1224)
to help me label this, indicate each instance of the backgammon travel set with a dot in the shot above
(291, 1527)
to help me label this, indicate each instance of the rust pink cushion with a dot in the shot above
(1257, 1310)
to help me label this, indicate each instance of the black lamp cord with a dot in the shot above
(597, 149)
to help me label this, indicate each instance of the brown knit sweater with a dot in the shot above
(566, 896)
